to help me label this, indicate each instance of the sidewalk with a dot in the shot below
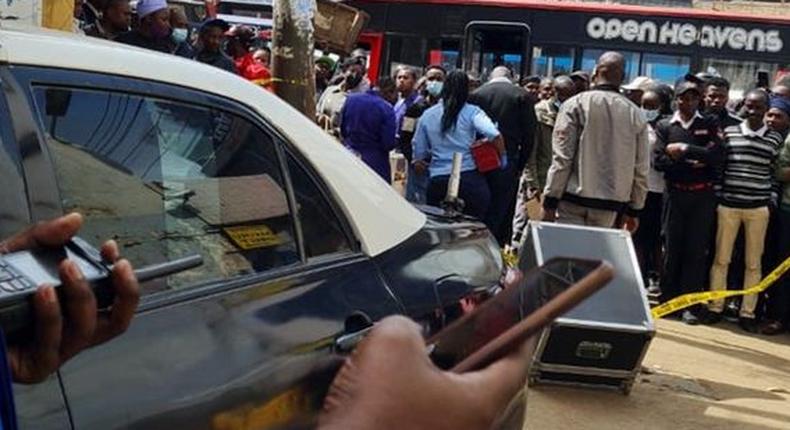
(697, 378)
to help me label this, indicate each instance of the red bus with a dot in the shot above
(546, 38)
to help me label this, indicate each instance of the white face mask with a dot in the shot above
(180, 35)
(650, 115)
(434, 88)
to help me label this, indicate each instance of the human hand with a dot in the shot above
(390, 383)
(420, 166)
(548, 215)
(676, 150)
(696, 164)
(62, 331)
(630, 223)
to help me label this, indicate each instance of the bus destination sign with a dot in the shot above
(685, 34)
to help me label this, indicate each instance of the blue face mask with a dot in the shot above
(650, 115)
(180, 35)
(434, 88)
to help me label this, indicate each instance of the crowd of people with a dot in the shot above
(700, 180)
(166, 29)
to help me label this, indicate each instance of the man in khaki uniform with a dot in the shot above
(533, 179)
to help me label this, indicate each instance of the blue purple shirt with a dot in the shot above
(368, 129)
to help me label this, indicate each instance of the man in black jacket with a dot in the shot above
(511, 107)
(690, 153)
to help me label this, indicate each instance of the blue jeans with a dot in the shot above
(416, 186)
(473, 190)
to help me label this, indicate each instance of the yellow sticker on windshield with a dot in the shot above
(256, 236)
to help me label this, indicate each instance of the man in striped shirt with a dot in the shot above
(751, 152)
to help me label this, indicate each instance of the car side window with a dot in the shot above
(167, 179)
(322, 230)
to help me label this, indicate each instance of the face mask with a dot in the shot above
(650, 115)
(353, 80)
(434, 88)
(180, 35)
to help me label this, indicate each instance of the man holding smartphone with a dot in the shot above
(53, 344)
(387, 378)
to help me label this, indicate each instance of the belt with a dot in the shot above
(700, 186)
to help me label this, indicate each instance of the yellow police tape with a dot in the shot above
(692, 299)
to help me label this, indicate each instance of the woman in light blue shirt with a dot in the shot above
(449, 127)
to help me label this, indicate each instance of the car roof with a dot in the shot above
(380, 217)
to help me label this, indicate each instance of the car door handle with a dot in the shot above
(346, 343)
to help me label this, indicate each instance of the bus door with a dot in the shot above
(488, 44)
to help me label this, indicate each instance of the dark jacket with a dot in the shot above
(217, 59)
(134, 38)
(512, 109)
(705, 146)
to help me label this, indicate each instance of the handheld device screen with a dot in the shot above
(538, 287)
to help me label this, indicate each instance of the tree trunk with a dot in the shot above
(292, 54)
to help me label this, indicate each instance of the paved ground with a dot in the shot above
(697, 378)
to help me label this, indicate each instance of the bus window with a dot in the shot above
(447, 56)
(493, 44)
(590, 57)
(406, 50)
(552, 61)
(665, 68)
(741, 74)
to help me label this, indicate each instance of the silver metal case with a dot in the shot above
(602, 342)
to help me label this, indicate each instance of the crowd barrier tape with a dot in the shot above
(692, 299)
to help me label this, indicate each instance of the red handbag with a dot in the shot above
(486, 156)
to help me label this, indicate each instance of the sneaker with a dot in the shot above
(748, 324)
(711, 318)
(689, 318)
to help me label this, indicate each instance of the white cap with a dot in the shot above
(147, 7)
(640, 83)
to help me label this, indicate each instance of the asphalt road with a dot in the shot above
(694, 378)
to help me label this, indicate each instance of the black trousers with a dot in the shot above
(473, 190)
(688, 225)
(779, 294)
(647, 239)
(504, 187)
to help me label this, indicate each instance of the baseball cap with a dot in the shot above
(147, 7)
(580, 74)
(685, 86)
(215, 22)
(640, 83)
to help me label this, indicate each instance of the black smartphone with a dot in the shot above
(506, 321)
(763, 79)
(22, 272)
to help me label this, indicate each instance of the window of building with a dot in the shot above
(590, 57)
(552, 61)
(742, 74)
(665, 68)
(167, 179)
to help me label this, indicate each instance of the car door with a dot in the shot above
(166, 171)
(41, 403)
